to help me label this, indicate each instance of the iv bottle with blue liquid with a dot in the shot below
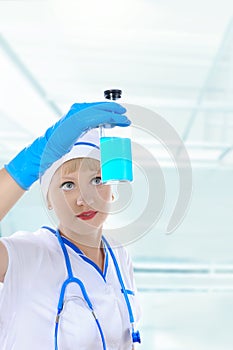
(115, 149)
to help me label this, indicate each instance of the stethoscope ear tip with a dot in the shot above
(136, 337)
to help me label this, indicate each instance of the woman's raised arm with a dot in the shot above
(10, 192)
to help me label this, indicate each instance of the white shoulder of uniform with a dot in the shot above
(122, 255)
(27, 235)
(119, 249)
(26, 252)
(27, 241)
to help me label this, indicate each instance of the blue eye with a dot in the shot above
(67, 186)
(96, 181)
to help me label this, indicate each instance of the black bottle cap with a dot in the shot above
(112, 94)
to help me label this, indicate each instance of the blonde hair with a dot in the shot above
(72, 165)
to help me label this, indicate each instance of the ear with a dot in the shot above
(114, 192)
(49, 205)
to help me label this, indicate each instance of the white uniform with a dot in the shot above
(29, 297)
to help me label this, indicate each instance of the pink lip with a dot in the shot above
(87, 215)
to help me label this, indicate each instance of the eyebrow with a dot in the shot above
(69, 176)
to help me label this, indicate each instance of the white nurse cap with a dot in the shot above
(86, 146)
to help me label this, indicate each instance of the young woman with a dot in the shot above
(66, 288)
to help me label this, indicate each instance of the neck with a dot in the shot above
(95, 254)
(91, 246)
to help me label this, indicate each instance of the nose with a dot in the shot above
(82, 202)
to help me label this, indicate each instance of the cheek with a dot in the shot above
(105, 195)
(105, 201)
(61, 203)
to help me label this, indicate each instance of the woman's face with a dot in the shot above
(81, 202)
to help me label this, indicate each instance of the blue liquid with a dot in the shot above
(116, 159)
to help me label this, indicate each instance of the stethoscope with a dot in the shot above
(71, 279)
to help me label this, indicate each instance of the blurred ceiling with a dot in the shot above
(173, 57)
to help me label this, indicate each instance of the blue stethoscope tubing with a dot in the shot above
(72, 279)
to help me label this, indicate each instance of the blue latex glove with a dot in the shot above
(33, 160)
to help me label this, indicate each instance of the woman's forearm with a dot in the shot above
(10, 192)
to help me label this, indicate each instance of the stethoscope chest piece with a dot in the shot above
(136, 337)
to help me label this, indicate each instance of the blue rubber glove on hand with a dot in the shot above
(33, 160)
